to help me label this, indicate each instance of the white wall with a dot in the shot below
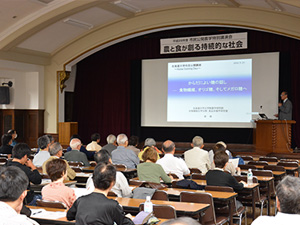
(27, 91)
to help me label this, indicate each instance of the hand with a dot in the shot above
(128, 215)
(276, 115)
(30, 164)
(243, 182)
(171, 177)
(279, 104)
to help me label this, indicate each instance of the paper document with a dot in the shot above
(235, 162)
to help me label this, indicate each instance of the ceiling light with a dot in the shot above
(213, 2)
(127, 6)
(78, 23)
(275, 6)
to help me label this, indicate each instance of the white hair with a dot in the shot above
(222, 143)
(111, 139)
(150, 142)
(74, 143)
(121, 139)
(197, 141)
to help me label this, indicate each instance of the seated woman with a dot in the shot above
(217, 176)
(56, 190)
(149, 170)
(96, 208)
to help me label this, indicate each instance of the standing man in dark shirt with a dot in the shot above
(217, 176)
(6, 147)
(20, 154)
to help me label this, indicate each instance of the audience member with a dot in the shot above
(6, 147)
(100, 210)
(14, 137)
(94, 145)
(149, 142)
(197, 157)
(121, 155)
(43, 144)
(111, 143)
(211, 152)
(121, 187)
(217, 176)
(13, 184)
(288, 204)
(172, 164)
(181, 221)
(149, 170)
(20, 154)
(229, 167)
(56, 151)
(89, 154)
(51, 138)
(56, 190)
(75, 155)
(133, 143)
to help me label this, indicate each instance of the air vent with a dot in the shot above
(78, 23)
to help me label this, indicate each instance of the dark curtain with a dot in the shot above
(108, 85)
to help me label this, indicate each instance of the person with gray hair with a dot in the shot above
(43, 144)
(111, 143)
(75, 154)
(197, 157)
(56, 152)
(122, 155)
(288, 204)
(149, 142)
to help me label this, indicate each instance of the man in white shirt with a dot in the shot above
(197, 157)
(13, 185)
(288, 204)
(172, 164)
(121, 187)
(43, 143)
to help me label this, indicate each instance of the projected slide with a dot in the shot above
(210, 91)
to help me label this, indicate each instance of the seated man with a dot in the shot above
(56, 151)
(94, 145)
(89, 154)
(43, 144)
(20, 155)
(121, 187)
(217, 176)
(111, 143)
(6, 147)
(288, 204)
(13, 185)
(121, 155)
(133, 143)
(96, 208)
(75, 154)
(197, 157)
(172, 164)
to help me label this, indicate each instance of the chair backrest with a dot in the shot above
(259, 163)
(219, 188)
(288, 164)
(206, 198)
(120, 167)
(247, 157)
(75, 163)
(289, 160)
(247, 167)
(136, 182)
(274, 168)
(93, 164)
(268, 159)
(162, 211)
(174, 175)
(244, 178)
(3, 160)
(265, 173)
(77, 169)
(195, 170)
(111, 193)
(174, 184)
(160, 195)
(51, 204)
(198, 176)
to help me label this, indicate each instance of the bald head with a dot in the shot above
(168, 147)
(75, 144)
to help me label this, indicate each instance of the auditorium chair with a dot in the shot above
(162, 211)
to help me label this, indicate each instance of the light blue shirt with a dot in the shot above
(121, 155)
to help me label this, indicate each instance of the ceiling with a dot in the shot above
(43, 27)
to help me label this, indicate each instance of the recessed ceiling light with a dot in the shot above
(78, 23)
(127, 6)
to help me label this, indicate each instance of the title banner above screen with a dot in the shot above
(222, 91)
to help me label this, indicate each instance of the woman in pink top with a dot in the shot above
(56, 190)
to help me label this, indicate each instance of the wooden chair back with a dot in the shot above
(274, 168)
(75, 163)
(195, 170)
(162, 211)
(258, 163)
(51, 204)
(268, 159)
(247, 167)
(160, 195)
(198, 176)
(120, 167)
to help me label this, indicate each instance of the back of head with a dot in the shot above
(102, 156)
(288, 194)
(43, 141)
(133, 140)
(121, 139)
(51, 138)
(13, 182)
(74, 143)
(218, 147)
(20, 150)
(222, 143)
(181, 221)
(197, 141)
(149, 142)
(104, 176)
(6, 138)
(95, 137)
(55, 148)
(56, 169)
(111, 139)
(168, 146)
(11, 131)
(150, 154)
(220, 159)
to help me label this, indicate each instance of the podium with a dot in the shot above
(65, 131)
(274, 136)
